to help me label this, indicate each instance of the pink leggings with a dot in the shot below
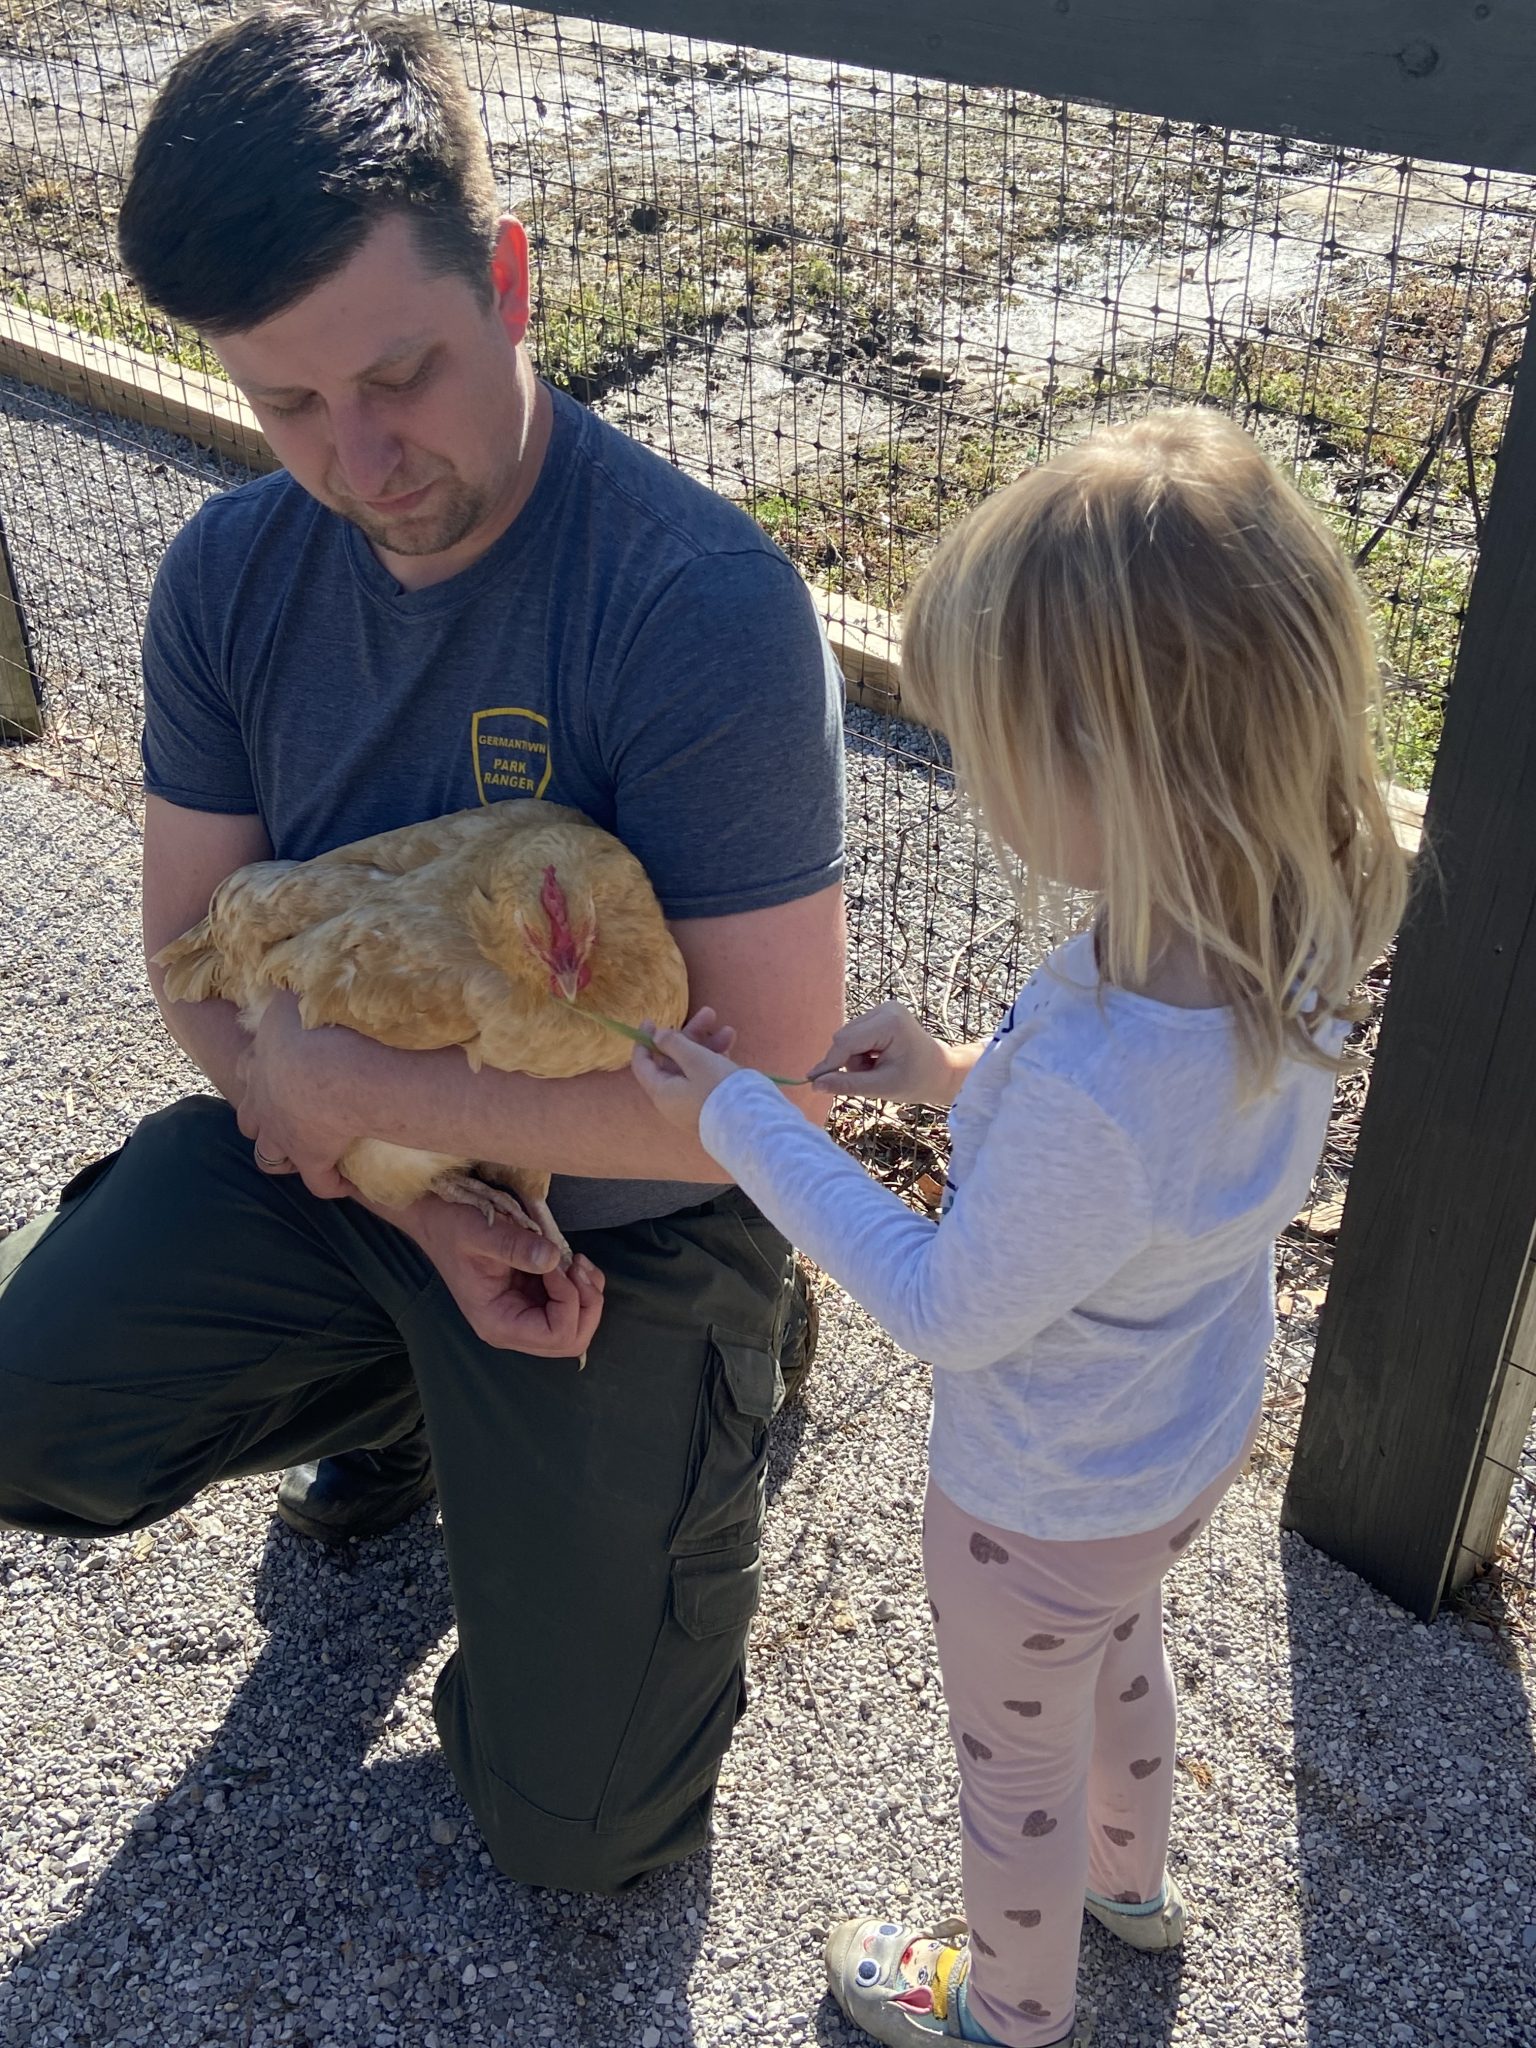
(1062, 1713)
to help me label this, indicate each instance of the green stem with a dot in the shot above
(638, 1037)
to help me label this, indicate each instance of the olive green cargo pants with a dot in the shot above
(184, 1318)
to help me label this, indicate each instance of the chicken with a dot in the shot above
(500, 930)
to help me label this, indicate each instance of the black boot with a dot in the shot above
(358, 1493)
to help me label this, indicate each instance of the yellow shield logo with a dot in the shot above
(511, 750)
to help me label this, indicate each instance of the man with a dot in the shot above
(463, 589)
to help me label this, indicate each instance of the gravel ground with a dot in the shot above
(89, 504)
(225, 1820)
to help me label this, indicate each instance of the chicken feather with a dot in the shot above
(485, 929)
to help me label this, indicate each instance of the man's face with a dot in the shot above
(392, 394)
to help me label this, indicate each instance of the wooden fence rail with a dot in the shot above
(1447, 80)
(132, 385)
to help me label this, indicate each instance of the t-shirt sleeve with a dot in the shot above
(194, 752)
(1055, 1203)
(724, 738)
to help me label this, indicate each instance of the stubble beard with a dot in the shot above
(432, 531)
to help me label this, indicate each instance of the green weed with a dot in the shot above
(114, 316)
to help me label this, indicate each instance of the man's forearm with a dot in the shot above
(211, 1037)
(597, 1125)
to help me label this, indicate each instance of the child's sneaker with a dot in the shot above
(1159, 1924)
(906, 1985)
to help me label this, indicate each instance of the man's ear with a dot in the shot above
(509, 277)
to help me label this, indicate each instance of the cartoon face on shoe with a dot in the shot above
(918, 1973)
(918, 1968)
(880, 1967)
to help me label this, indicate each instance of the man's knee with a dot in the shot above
(636, 1830)
(78, 1435)
(73, 1290)
(575, 1856)
(48, 1330)
(66, 1467)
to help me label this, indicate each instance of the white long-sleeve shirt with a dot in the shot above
(1098, 1296)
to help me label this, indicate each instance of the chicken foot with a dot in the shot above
(544, 1223)
(532, 1192)
(479, 1194)
(496, 1201)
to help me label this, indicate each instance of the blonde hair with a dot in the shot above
(1158, 622)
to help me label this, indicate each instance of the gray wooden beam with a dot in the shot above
(1445, 79)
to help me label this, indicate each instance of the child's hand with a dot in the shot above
(888, 1055)
(691, 1066)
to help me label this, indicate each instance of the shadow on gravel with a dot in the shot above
(1415, 1817)
(306, 1883)
(786, 1435)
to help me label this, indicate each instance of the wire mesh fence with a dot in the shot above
(855, 302)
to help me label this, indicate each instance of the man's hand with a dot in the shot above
(294, 1099)
(507, 1282)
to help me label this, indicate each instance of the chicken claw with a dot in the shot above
(545, 1224)
(491, 1202)
(528, 1213)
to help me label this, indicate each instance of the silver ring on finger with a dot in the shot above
(268, 1165)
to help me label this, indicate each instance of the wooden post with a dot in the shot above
(20, 715)
(1411, 1384)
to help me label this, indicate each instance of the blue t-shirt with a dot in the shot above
(632, 645)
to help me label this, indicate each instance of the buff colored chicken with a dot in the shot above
(492, 929)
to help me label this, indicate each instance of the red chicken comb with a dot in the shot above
(556, 909)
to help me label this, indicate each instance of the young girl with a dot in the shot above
(1157, 677)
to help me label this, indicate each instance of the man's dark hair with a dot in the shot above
(275, 146)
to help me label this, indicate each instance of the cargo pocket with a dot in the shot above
(692, 1692)
(723, 1493)
(693, 1689)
